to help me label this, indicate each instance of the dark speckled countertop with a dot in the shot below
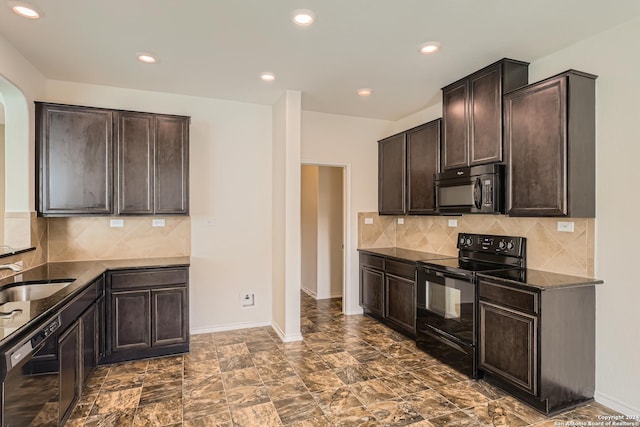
(82, 273)
(542, 280)
(537, 279)
(404, 254)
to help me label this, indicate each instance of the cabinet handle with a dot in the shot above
(10, 314)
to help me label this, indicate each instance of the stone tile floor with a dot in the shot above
(348, 371)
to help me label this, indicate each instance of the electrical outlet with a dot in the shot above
(565, 226)
(400, 221)
(368, 221)
(157, 222)
(116, 223)
(247, 299)
(453, 223)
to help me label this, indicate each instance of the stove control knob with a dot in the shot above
(462, 240)
(469, 241)
(502, 245)
(510, 245)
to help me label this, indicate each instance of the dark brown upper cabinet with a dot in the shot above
(472, 114)
(406, 165)
(93, 161)
(74, 160)
(153, 158)
(550, 145)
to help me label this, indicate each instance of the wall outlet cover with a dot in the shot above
(566, 226)
(157, 222)
(116, 223)
(453, 223)
(368, 221)
(400, 221)
(247, 299)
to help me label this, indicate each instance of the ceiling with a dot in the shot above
(218, 48)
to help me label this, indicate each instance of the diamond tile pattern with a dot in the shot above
(348, 371)
(547, 248)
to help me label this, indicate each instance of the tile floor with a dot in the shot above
(348, 371)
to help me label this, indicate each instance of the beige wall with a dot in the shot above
(309, 229)
(2, 167)
(330, 232)
(333, 140)
(547, 248)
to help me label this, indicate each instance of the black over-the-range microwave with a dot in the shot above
(475, 189)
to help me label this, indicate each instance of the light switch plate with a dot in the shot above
(453, 223)
(116, 223)
(157, 222)
(368, 221)
(400, 221)
(565, 226)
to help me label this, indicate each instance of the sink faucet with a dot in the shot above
(14, 267)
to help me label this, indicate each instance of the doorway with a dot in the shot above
(322, 219)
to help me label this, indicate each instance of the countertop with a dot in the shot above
(542, 280)
(537, 279)
(82, 273)
(402, 254)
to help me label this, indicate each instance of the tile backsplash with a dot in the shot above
(88, 238)
(38, 230)
(547, 248)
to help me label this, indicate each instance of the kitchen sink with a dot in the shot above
(30, 291)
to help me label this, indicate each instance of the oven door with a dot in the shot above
(447, 303)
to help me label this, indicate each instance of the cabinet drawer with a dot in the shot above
(147, 278)
(516, 298)
(372, 261)
(401, 269)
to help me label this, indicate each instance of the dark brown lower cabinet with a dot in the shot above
(387, 291)
(89, 329)
(539, 345)
(69, 355)
(147, 313)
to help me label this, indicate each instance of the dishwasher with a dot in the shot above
(31, 381)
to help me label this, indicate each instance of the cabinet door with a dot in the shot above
(75, 155)
(401, 301)
(89, 342)
(485, 100)
(371, 290)
(423, 160)
(535, 138)
(69, 362)
(131, 320)
(170, 323)
(135, 163)
(171, 165)
(508, 345)
(391, 175)
(455, 133)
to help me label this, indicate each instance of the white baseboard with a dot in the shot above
(351, 313)
(227, 327)
(615, 404)
(336, 295)
(284, 337)
(309, 292)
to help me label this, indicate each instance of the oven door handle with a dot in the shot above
(445, 341)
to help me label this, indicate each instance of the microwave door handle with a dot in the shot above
(477, 193)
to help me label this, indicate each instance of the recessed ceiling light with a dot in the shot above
(365, 91)
(147, 58)
(267, 77)
(25, 10)
(429, 47)
(303, 17)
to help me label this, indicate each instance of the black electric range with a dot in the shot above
(446, 318)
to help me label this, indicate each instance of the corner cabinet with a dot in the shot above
(147, 313)
(472, 114)
(550, 142)
(406, 165)
(387, 291)
(93, 161)
(538, 345)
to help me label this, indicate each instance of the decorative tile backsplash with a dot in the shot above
(547, 248)
(38, 232)
(84, 238)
